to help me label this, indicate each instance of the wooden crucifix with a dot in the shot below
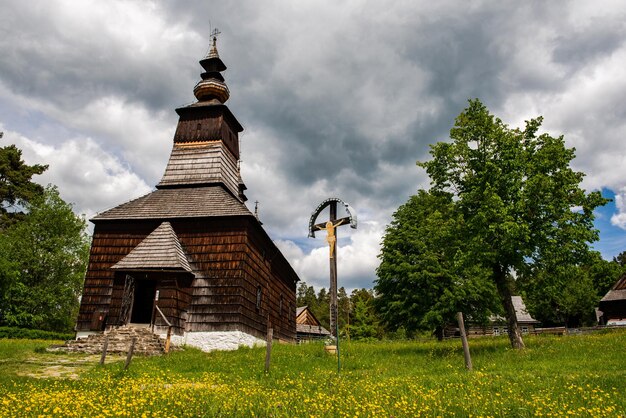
(330, 227)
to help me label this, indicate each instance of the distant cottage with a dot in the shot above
(613, 304)
(308, 327)
(498, 325)
(192, 247)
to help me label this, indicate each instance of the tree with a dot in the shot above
(520, 201)
(343, 308)
(605, 273)
(306, 296)
(364, 323)
(559, 293)
(620, 259)
(322, 308)
(425, 275)
(42, 264)
(16, 187)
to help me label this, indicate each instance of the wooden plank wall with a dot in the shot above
(111, 242)
(235, 267)
(235, 257)
(174, 299)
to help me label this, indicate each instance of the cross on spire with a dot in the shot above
(213, 51)
(214, 34)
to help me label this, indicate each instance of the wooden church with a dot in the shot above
(191, 247)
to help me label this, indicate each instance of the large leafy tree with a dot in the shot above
(16, 187)
(364, 323)
(520, 201)
(426, 273)
(567, 293)
(43, 259)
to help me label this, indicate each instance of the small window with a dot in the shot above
(280, 306)
(199, 127)
(524, 330)
(496, 331)
(259, 293)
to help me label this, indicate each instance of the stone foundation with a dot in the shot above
(215, 340)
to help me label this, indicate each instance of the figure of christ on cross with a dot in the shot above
(331, 238)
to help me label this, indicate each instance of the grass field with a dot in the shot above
(578, 375)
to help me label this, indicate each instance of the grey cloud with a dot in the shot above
(337, 99)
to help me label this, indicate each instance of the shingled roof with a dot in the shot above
(208, 201)
(160, 250)
(195, 163)
(523, 317)
(617, 292)
(307, 323)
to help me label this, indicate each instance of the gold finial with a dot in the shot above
(213, 53)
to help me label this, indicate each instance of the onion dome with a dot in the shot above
(212, 86)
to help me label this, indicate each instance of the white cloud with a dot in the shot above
(619, 219)
(85, 174)
(357, 257)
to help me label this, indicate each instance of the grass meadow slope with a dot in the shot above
(576, 375)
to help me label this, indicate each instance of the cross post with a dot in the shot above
(331, 230)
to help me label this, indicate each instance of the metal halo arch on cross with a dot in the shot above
(351, 214)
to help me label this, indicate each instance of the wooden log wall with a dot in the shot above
(234, 258)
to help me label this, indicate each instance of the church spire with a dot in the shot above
(212, 85)
(213, 52)
(206, 142)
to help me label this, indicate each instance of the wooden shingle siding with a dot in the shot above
(202, 164)
(160, 250)
(190, 202)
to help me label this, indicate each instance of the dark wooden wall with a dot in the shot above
(234, 257)
(110, 243)
(208, 126)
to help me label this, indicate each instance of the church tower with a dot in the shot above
(206, 142)
(191, 247)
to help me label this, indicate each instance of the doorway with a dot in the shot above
(143, 301)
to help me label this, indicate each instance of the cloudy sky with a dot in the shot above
(336, 98)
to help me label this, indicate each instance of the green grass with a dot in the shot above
(581, 375)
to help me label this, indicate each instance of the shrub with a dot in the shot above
(33, 334)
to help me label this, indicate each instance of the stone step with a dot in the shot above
(120, 339)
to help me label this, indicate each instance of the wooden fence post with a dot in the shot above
(268, 351)
(129, 356)
(105, 346)
(168, 340)
(466, 352)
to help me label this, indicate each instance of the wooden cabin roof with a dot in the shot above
(617, 292)
(307, 323)
(203, 162)
(521, 312)
(311, 329)
(523, 317)
(160, 250)
(207, 201)
(305, 316)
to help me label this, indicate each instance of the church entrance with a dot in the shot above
(142, 301)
